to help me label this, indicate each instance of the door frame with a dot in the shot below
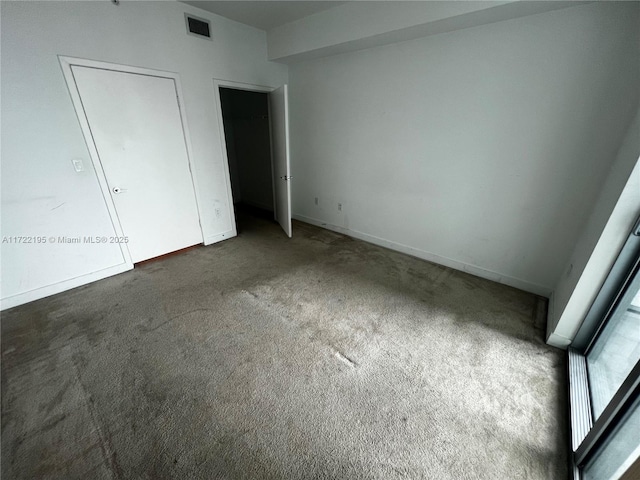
(66, 63)
(247, 87)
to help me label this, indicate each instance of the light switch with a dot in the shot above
(77, 164)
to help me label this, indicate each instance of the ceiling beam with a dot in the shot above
(360, 25)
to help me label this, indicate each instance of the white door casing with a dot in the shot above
(137, 128)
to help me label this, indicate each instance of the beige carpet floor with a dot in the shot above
(319, 357)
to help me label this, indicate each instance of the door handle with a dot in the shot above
(285, 177)
(119, 190)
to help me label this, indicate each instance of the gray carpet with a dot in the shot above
(319, 357)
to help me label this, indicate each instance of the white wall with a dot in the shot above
(358, 25)
(41, 192)
(355, 21)
(482, 149)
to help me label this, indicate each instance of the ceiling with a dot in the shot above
(264, 14)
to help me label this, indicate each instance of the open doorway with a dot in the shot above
(247, 133)
(256, 160)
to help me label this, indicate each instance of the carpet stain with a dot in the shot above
(341, 356)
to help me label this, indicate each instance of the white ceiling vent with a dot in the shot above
(198, 27)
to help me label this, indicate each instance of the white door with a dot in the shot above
(137, 129)
(279, 111)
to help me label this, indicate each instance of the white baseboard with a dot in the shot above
(220, 236)
(558, 341)
(555, 339)
(432, 257)
(46, 291)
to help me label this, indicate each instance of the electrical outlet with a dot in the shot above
(218, 212)
(339, 207)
